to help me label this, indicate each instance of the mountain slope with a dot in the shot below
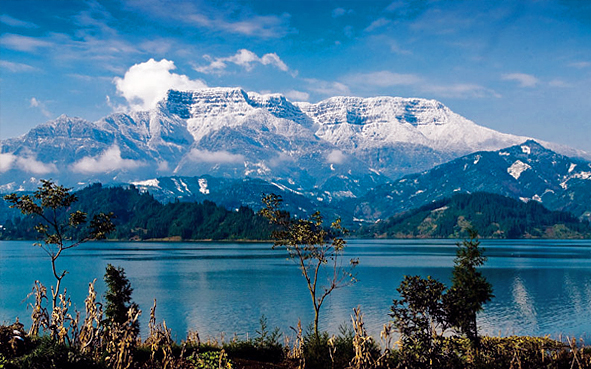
(493, 216)
(527, 172)
(338, 148)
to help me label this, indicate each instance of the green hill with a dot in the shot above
(494, 216)
(139, 216)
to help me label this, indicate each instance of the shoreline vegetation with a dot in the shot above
(139, 217)
(432, 325)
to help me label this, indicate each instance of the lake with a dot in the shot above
(541, 286)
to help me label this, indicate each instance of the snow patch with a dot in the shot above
(285, 188)
(526, 149)
(178, 186)
(572, 167)
(203, 186)
(477, 159)
(517, 168)
(147, 183)
(537, 198)
(185, 186)
(503, 153)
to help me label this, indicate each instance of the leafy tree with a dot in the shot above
(118, 297)
(420, 316)
(315, 249)
(470, 290)
(51, 203)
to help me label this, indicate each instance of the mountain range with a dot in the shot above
(348, 155)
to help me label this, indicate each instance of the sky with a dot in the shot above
(519, 67)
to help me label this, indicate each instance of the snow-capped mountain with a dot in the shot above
(337, 148)
(527, 171)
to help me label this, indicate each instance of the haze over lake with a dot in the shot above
(541, 286)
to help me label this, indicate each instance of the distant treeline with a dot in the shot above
(494, 216)
(139, 216)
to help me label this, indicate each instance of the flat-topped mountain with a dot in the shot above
(338, 148)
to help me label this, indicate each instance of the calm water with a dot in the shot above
(541, 287)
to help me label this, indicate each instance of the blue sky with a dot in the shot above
(521, 67)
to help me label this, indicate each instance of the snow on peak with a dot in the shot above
(517, 168)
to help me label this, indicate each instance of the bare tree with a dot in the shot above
(316, 249)
(51, 203)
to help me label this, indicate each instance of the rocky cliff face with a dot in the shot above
(337, 148)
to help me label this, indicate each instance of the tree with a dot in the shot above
(50, 203)
(118, 296)
(470, 290)
(315, 249)
(420, 317)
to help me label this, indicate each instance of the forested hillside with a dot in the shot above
(491, 215)
(139, 216)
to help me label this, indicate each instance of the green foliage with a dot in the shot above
(470, 290)
(211, 360)
(427, 309)
(264, 347)
(420, 316)
(49, 354)
(494, 216)
(118, 297)
(139, 216)
(51, 205)
(315, 249)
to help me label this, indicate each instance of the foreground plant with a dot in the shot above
(50, 204)
(317, 250)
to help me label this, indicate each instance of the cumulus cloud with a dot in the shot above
(28, 164)
(295, 95)
(336, 157)
(243, 58)
(214, 157)
(524, 80)
(108, 161)
(144, 84)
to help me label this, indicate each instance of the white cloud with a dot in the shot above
(581, 65)
(28, 164)
(297, 95)
(244, 58)
(378, 23)
(215, 157)
(339, 12)
(336, 157)
(34, 103)
(108, 161)
(460, 90)
(559, 83)
(13, 22)
(524, 80)
(16, 67)
(383, 79)
(327, 87)
(144, 84)
(23, 43)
